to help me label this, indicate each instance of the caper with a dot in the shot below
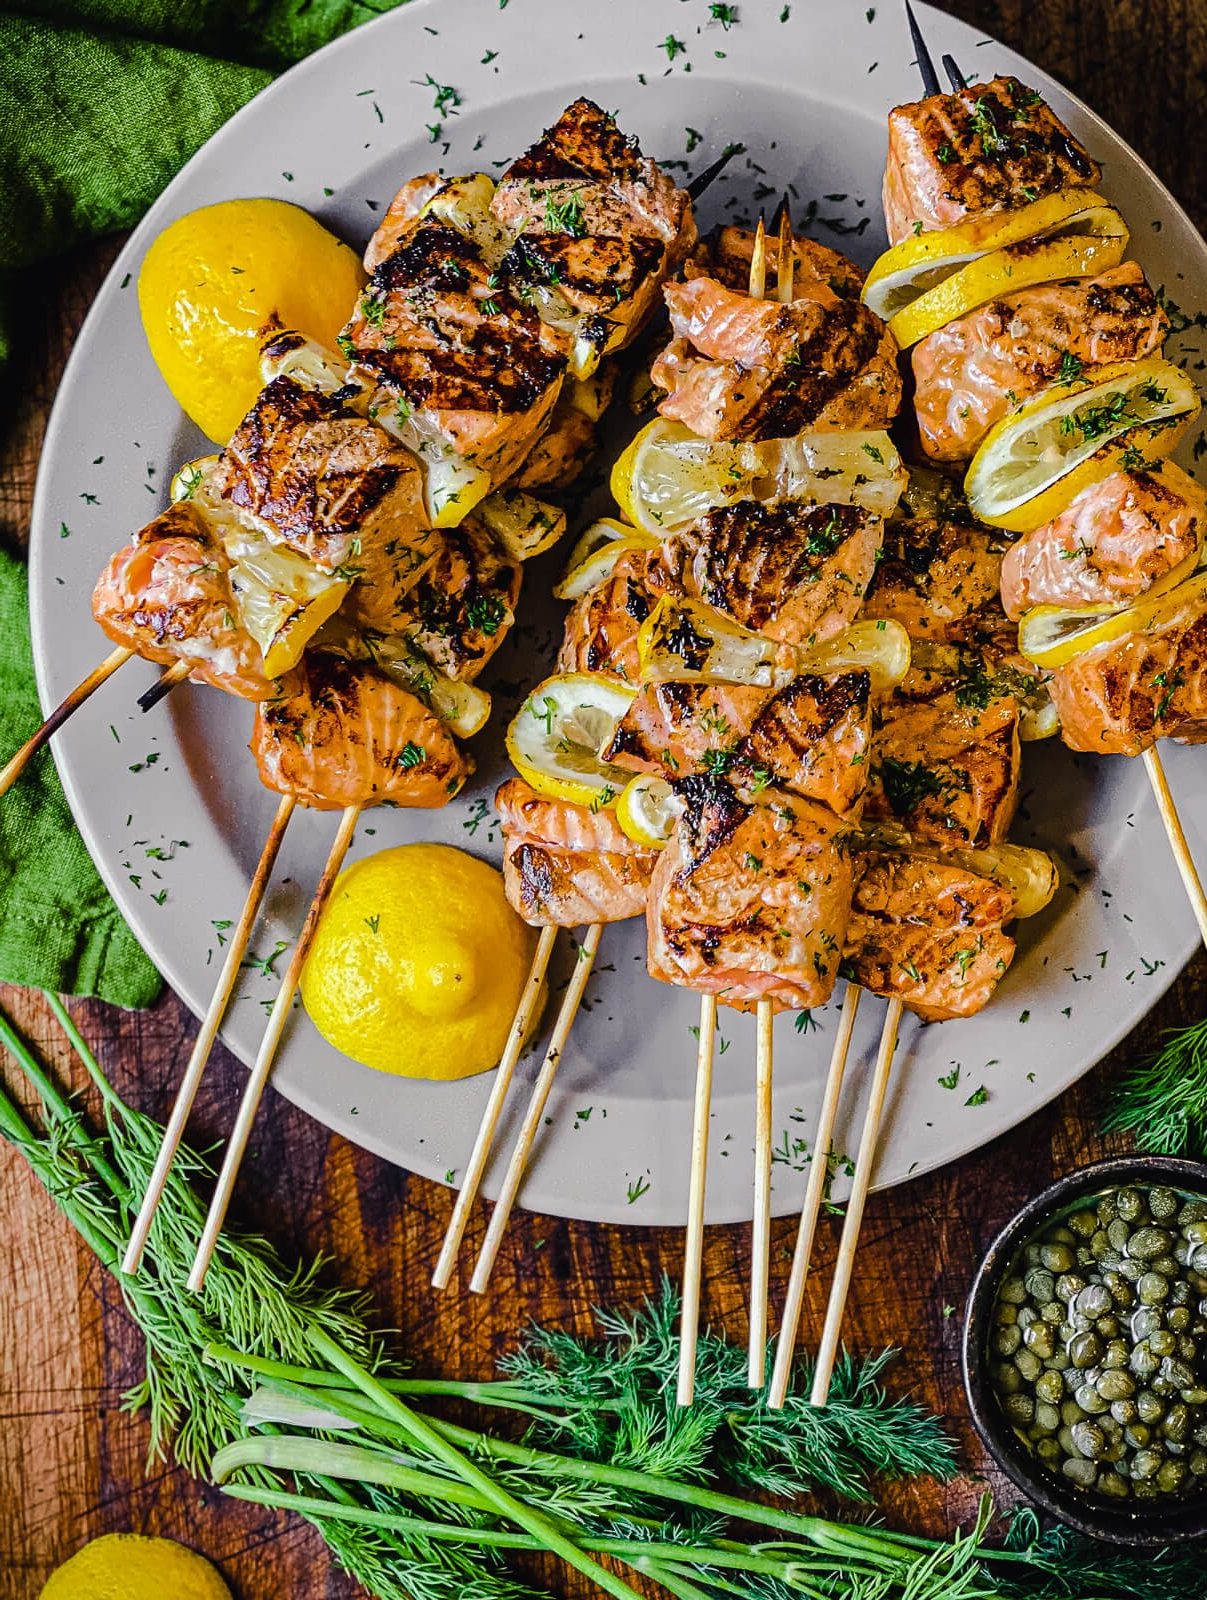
(1050, 1386)
(1152, 1288)
(1145, 1464)
(1193, 1211)
(1006, 1341)
(1162, 1204)
(1149, 1406)
(1040, 1338)
(1019, 1407)
(1094, 1301)
(1163, 1343)
(1083, 1473)
(1112, 1484)
(1006, 1377)
(1025, 1316)
(1049, 1450)
(1198, 1463)
(1056, 1257)
(1107, 1208)
(1177, 1373)
(1195, 1397)
(1089, 1439)
(1013, 1291)
(1137, 1434)
(1116, 1354)
(1145, 1491)
(1068, 1286)
(1133, 1271)
(1115, 1385)
(1142, 1361)
(1148, 1242)
(1086, 1349)
(1090, 1401)
(1083, 1223)
(1071, 1412)
(1040, 1284)
(1195, 1232)
(1177, 1423)
(1172, 1476)
(1144, 1322)
(1178, 1318)
(1029, 1364)
(1124, 1411)
(1169, 1265)
(1129, 1203)
(1120, 1290)
(1053, 1312)
(1099, 1244)
(1047, 1418)
(1118, 1233)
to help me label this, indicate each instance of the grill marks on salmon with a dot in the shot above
(809, 739)
(437, 331)
(596, 220)
(797, 573)
(601, 628)
(936, 574)
(739, 368)
(345, 734)
(927, 932)
(566, 865)
(167, 595)
(992, 147)
(1111, 544)
(947, 772)
(750, 902)
(969, 374)
(1151, 684)
(461, 609)
(325, 482)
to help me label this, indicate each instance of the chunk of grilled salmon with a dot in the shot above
(345, 734)
(947, 772)
(936, 572)
(601, 628)
(1151, 684)
(795, 572)
(810, 738)
(566, 865)
(928, 933)
(597, 222)
(325, 482)
(1111, 543)
(562, 451)
(167, 595)
(740, 368)
(970, 373)
(458, 613)
(750, 902)
(436, 331)
(991, 147)
(727, 254)
(402, 214)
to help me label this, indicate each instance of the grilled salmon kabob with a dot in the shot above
(390, 469)
(1050, 387)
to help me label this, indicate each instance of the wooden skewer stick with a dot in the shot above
(167, 681)
(758, 263)
(16, 764)
(827, 1351)
(814, 1194)
(693, 1253)
(760, 1233)
(1177, 838)
(785, 270)
(193, 1072)
(488, 1127)
(514, 1175)
(926, 65)
(254, 1090)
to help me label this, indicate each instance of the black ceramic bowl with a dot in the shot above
(1149, 1524)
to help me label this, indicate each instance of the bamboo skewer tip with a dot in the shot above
(693, 1253)
(101, 673)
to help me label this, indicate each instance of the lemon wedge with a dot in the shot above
(923, 260)
(555, 738)
(596, 553)
(1052, 636)
(1033, 462)
(881, 649)
(523, 525)
(668, 478)
(1006, 271)
(647, 810)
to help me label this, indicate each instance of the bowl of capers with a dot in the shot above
(1085, 1350)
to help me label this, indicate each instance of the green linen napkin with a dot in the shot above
(101, 102)
(58, 927)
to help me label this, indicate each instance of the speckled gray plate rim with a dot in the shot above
(175, 816)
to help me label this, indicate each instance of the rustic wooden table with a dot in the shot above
(73, 1463)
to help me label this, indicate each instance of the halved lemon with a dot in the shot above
(1033, 462)
(922, 260)
(648, 809)
(555, 738)
(1006, 271)
(1052, 636)
(596, 553)
(668, 478)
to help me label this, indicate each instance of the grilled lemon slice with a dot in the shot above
(1033, 462)
(1006, 271)
(555, 738)
(923, 260)
(647, 810)
(1052, 637)
(668, 478)
(596, 553)
(684, 641)
(523, 525)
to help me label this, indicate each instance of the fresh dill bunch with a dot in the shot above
(1062, 1562)
(1162, 1100)
(616, 1402)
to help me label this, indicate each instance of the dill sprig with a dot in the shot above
(1162, 1100)
(277, 1385)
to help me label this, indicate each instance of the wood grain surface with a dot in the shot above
(73, 1463)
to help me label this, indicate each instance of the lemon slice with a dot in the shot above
(596, 553)
(647, 810)
(668, 478)
(881, 649)
(1006, 271)
(186, 480)
(1052, 636)
(922, 260)
(523, 525)
(1033, 462)
(555, 738)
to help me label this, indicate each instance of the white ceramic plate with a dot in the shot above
(805, 86)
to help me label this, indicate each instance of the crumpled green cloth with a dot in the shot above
(58, 927)
(101, 103)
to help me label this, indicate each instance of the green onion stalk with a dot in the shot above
(274, 1385)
